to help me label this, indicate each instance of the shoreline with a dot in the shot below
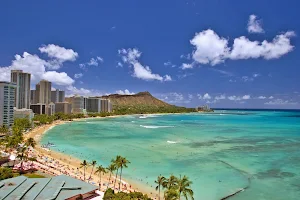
(68, 160)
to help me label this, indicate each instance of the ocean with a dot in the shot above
(220, 152)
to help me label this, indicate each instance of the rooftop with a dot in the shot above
(59, 187)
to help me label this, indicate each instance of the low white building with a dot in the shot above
(23, 113)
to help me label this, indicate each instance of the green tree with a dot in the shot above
(84, 165)
(160, 181)
(22, 155)
(99, 170)
(123, 164)
(93, 163)
(4, 129)
(171, 194)
(5, 173)
(111, 168)
(30, 142)
(171, 182)
(183, 185)
(116, 162)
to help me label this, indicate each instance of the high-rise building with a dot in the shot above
(63, 107)
(7, 102)
(33, 97)
(106, 105)
(61, 96)
(43, 92)
(22, 91)
(93, 105)
(78, 104)
(57, 96)
(38, 108)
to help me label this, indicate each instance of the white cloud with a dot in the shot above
(93, 62)
(254, 25)
(169, 64)
(59, 78)
(199, 96)
(280, 102)
(262, 97)
(212, 49)
(167, 78)
(187, 57)
(221, 97)
(243, 48)
(232, 80)
(226, 73)
(125, 92)
(79, 75)
(239, 98)
(246, 97)
(131, 57)
(37, 68)
(209, 48)
(119, 64)
(190, 96)
(271, 97)
(175, 98)
(72, 90)
(247, 79)
(256, 75)
(187, 66)
(206, 96)
(58, 54)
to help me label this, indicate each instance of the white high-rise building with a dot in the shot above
(22, 93)
(7, 103)
(43, 92)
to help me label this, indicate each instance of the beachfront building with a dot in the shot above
(93, 105)
(38, 108)
(106, 105)
(23, 113)
(43, 92)
(32, 97)
(22, 91)
(57, 96)
(63, 107)
(7, 103)
(78, 104)
(50, 109)
(58, 187)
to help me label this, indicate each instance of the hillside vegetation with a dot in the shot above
(142, 103)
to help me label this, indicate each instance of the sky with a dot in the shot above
(224, 53)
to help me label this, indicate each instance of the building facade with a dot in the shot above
(32, 97)
(78, 104)
(7, 103)
(93, 105)
(57, 96)
(23, 113)
(106, 105)
(22, 91)
(63, 107)
(43, 92)
(38, 108)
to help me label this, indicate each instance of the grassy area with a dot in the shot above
(29, 175)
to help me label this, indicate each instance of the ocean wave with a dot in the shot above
(171, 142)
(156, 126)
(146, 116)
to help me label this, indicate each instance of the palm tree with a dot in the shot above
(116, 162)
(160, 180)
(184, 187)
(111, 168)
(84, 164)
(170, 183)
(93, 163)
(100, 169)
(171, 194)
(22, 156)
(122, 163)
(30, 142)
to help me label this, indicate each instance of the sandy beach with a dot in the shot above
(71, 165)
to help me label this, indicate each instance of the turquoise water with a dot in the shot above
(220, 152)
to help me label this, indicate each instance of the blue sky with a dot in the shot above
(238, 54)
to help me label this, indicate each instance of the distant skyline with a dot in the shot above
(242, 54)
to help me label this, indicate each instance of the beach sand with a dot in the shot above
(74, 163)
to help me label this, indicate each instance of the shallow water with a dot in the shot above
(220, 152)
